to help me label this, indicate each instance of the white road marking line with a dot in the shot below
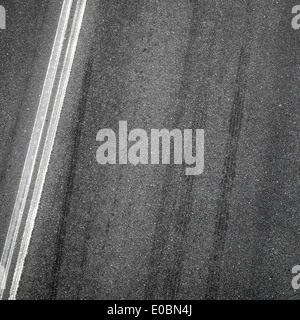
(34, 144)
(39, 183)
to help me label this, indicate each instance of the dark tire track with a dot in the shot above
(229, 168)
(61, 234)
(177, 201)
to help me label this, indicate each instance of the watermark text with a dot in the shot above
(187, 148)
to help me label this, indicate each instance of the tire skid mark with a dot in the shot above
(61, 234)
(171, 283)
(176, 201)
(229, 167)
(107, 116)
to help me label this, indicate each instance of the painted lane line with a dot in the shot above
(21, 199)
(41, 176)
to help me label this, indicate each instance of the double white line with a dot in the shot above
(28, 169)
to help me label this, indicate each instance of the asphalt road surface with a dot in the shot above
(150, 231)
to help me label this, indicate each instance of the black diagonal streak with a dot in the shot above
(176, 201)
(229, 170)
(61, 234)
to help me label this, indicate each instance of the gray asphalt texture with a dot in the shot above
(150, 231)
(23, 56)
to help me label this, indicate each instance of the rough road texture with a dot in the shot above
(150, 231)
